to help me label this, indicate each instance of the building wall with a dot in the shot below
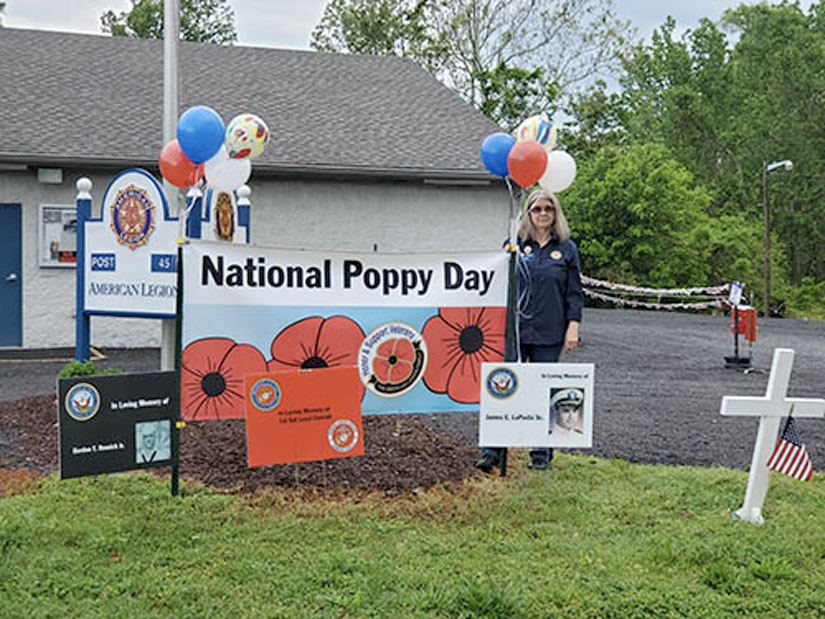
(311, 214)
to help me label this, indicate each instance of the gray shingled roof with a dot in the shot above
(98, 100)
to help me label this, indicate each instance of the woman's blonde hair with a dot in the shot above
(561, 229)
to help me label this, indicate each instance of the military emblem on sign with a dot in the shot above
(265, 394)
(132, 217)
(82, 402)
(224, 217)
(342, 435)
(502, 383)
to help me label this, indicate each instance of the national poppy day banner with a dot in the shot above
(416, 326)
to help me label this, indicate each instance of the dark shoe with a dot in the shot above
(537, 465)
(486, 462)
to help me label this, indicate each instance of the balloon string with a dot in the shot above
(522, 296)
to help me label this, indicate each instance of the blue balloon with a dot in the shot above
(200, 133)
(494, 152)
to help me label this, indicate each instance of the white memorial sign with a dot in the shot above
(130, 253)
(735, 295)
(536, 405)
(770, 409)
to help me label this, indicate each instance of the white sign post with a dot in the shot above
(770, 409)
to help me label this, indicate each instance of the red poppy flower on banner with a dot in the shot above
(459, 340)
(394, 360)
(212, 377)
(317, 342)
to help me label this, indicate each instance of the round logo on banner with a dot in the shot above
(132, 217)
(502, 383)
(265, 394)
(82, 402)
(342, 435)
(392, 359)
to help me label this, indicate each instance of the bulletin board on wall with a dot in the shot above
(57, 225)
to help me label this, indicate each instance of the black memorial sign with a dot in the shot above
(116, 422)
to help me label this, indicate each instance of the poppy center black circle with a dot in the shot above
(471, 339)
(213, 384)
(314, 362)
(392, 360)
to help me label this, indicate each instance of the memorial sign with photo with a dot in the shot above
(116, 422)
(536, 405)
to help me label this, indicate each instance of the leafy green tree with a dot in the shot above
(725, 106)
(506, 93)
(782, 50)
(383, 28)
(597, 119)
(211, 21)
(639, 217)
(498, 54)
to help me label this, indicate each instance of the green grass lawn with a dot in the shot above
(586, 538)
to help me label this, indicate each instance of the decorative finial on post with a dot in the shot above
(84, 188)
(243, 195)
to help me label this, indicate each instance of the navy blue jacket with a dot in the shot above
(550, 287)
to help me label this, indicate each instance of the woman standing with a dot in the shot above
(550, 296)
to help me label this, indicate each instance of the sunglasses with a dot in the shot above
(543, 209)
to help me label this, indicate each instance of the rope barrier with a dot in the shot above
(718, 293)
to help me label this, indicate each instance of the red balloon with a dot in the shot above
(177, 168)
(526, 162)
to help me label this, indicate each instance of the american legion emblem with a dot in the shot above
(224, 217)
(132, 217)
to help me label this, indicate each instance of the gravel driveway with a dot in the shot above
(660, 378)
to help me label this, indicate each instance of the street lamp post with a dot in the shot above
(787, 164)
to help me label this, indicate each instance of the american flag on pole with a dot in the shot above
(790, 456)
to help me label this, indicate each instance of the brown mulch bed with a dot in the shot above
(402, 455)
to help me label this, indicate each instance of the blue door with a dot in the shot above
(11, 277)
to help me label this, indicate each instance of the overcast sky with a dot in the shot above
(288, 23)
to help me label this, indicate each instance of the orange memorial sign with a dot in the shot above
(303, 415)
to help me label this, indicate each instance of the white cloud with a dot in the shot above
(279, 23)
(271, 23)
(69, 15)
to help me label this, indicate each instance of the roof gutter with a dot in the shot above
(433, 176)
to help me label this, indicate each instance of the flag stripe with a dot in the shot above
(790, 462)
(786, 454)
(810, 472)
(802, 462)
(780, 447)
(793, 463)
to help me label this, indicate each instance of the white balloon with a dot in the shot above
(218, 158)
(225, 174)
(559, 173)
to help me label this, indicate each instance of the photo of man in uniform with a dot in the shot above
(566, 411)
(152, 441)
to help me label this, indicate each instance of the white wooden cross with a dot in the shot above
(770, 409)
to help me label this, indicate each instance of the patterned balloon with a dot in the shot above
(246, 136)
(540, 129)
